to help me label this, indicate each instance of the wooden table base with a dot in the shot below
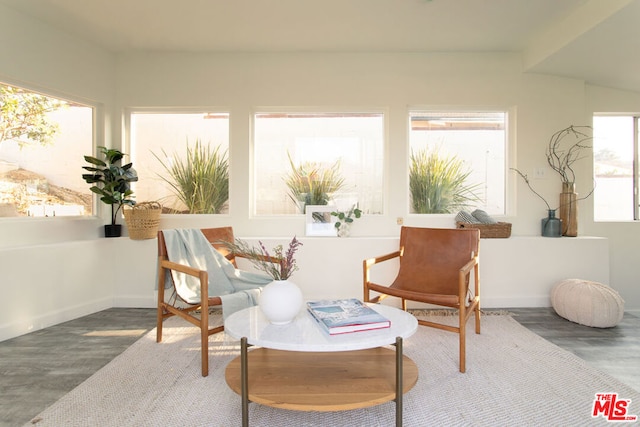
(322, 381)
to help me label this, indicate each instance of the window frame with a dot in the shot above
(302, 110)
(510, 116)
(128, 142)
(635, 165)
(98, 129)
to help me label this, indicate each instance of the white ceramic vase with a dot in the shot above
(281, 301)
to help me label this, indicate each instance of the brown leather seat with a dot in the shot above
(175, 306)
(436, 265)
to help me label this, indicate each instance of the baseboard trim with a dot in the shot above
(44, 320)
(135, 301)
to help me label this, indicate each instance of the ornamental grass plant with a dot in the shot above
(200, 180)
(312, 183)
(439, 184)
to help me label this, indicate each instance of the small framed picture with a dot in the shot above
(320, 222)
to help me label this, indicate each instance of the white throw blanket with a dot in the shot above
(238, 289)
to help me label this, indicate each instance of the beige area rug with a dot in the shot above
(513, 377)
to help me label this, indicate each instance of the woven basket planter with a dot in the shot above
(143, 220)
(500, 230)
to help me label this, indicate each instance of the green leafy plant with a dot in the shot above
(200, 180)
(312, 183)
(111, 181)
(346, 217)
(439, 184)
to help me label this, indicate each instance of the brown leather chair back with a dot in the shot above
(432, 257)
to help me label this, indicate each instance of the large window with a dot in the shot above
(457, 161)
(182, 160)
(615, 156)
(318, 159)
(42, 142)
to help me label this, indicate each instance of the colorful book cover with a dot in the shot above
(346, 315)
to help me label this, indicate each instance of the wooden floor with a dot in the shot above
(38, 368)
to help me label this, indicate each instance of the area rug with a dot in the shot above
(514, 377)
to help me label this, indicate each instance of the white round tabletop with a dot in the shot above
(304, 333)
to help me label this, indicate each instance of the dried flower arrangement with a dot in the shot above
(279, 264)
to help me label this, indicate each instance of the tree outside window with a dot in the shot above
(40, 169)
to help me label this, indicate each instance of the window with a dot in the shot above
(615, 156)
(42, 142)
(457, 161)
(318, 159)
(182, 160)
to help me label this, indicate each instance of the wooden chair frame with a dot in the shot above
(166, 309)
(465, 302)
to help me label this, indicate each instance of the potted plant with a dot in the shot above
(345, 219)
(112, 182)
(281, 300)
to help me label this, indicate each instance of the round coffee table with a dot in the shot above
(301, 367)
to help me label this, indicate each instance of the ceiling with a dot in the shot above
(594, 40)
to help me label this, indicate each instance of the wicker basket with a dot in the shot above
(143, 220)
(499, 230)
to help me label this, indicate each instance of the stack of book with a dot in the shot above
(346, 315)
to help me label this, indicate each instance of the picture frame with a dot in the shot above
(319, 221)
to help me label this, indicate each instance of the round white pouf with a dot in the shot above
(587, 303)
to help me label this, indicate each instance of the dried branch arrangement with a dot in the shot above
(561, 156)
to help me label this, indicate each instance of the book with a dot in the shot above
(346, 315)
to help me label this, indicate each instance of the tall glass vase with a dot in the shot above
(569, 209)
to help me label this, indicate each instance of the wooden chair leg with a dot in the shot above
(159, 325)
(462, 348)
(160, 311)
(204, 340)
(462, 331)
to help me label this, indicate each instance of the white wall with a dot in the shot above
(54, 269)
(53, 256)
(514, 272)
(43, 285)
